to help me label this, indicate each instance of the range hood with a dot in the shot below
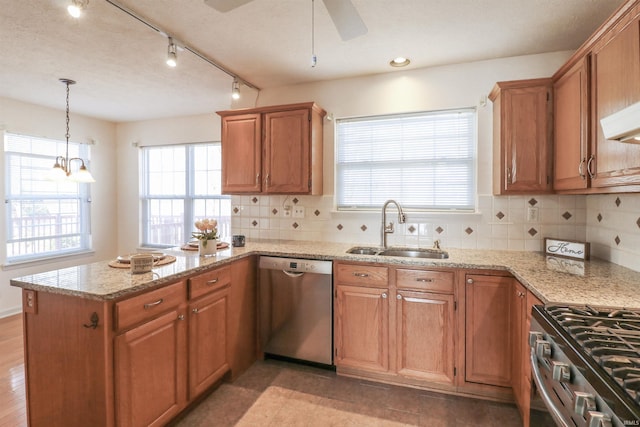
(623, 126)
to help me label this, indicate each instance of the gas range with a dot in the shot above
(586, 364)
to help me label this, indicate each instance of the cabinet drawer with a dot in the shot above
(210, 281)
(362, 275)
(435, 281)
(142, 307)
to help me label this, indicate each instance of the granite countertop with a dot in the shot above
(593, 282)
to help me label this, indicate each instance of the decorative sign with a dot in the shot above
(566, 248)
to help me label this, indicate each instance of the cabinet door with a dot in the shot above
(207, 341)
(150, 371)
(518, 355)
(287, 152)
(571, 120)
(616, 85)
(362, 328)
(522, 136)
(488, 335)
(241, 154)
(424, 336)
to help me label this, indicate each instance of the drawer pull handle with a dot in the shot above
(423, 280)
(212, 282)
(153, 304)
(361, 274)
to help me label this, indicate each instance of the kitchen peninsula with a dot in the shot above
(93, 332)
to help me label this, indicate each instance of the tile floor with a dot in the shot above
(379, 402)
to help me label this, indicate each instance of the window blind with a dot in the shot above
(424, 160)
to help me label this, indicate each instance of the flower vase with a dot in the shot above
(207, 247)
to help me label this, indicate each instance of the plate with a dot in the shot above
(126, 259)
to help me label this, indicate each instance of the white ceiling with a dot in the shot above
(118, 62)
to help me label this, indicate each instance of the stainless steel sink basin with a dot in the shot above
(401, 252)
(362, 250)
(415, 253)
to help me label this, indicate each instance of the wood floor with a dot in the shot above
(12, 395)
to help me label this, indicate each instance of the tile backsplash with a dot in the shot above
(505, 222)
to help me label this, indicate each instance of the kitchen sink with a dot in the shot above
(361, 250)
(415, 253)
(400, 252)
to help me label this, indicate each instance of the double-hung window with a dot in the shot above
(425, 161)
(181, 184)
(44, 218)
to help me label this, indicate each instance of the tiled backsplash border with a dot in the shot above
(610, 222)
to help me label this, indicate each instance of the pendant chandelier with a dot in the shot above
(62, 168)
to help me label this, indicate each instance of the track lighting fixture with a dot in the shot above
(76, 7)
(62, 168)
(235, 89)
(172, 57)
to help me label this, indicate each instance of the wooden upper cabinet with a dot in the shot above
(522, 136)
(272, 150)
(615, 85)
(571, 127)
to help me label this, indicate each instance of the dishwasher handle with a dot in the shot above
(293, 273)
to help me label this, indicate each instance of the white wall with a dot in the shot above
(28, 119)
(201, 128)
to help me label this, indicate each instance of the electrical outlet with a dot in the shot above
(532, 214)
(286, 211)
(298, 212)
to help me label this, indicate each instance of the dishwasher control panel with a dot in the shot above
(296, 265)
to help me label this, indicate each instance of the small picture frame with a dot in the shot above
(566, 248)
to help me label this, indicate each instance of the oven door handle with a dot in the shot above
(546, 397)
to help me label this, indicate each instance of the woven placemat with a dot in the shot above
(168, 259)
(188, 247)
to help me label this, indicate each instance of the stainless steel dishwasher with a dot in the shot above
(296, 309)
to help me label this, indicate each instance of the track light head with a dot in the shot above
(76, 7)
(172, 56)
(235, 89)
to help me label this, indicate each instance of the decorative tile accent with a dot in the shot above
(411, 229)
(599, 217)
(500, 215)
(533, 202)
(567, 215)
(236, 210)
(532, 231)
(254, 222)
(254, 200)
(295, 200)
(468, 230)
(316, 212)
(617, 240)
(295, 225)
(618, 201)
(274, 211)
(439, 230)
(339, 227)
(363, 227)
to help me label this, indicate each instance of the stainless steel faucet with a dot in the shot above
(388, 228)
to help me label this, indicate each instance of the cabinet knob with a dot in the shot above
(195, 311)
(398, 296)
(470, 281)
(181, 317)
(384, 295)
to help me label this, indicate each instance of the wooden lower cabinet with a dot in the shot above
(425, 336)
(488, 330)
(146, 357)
(150, 371)
(208, 341)
(362, 328)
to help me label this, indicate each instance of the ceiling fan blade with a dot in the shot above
(346, 18)
(225, 5)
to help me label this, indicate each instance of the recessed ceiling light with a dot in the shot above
(399, 62)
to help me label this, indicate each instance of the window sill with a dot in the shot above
(13, 265)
